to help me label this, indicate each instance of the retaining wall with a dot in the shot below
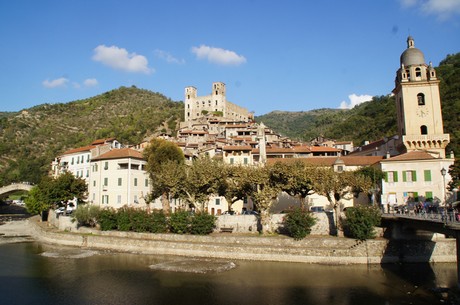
(313, 249)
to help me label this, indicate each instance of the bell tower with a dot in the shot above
(418, 104)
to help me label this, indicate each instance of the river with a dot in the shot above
(34, 273)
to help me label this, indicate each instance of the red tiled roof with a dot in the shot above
(329, 161)
(323, 149)
(237, 147)
(102, 141)
(413, 155)
(78, 150)
(120, 154)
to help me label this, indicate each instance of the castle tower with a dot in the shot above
(418, 104)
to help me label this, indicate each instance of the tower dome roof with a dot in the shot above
(412, 55)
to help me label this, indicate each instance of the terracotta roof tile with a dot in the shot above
(413, 155)
(237, 147)
(78, 150)
(120, 154)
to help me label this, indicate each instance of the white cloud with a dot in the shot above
(443, 9)
(218, 55)
(120, 59)
(58, 82)
(90, 82)
(168, 57)
(355, 100)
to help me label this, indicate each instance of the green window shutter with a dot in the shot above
(414, 176)
(429, 196)
(415, 196)
(427, 174)
(385, 177)
(395, 176)
(404, 176)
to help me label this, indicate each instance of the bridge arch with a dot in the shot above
(14, 187)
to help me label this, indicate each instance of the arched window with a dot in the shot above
(421, 99)
(423, 129)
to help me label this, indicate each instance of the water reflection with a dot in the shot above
(27, 277)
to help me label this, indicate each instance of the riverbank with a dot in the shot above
(313, 249)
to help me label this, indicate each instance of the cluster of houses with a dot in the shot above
(414, 161)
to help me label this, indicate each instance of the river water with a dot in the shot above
(33, 273)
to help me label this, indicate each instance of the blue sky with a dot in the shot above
(291, 55)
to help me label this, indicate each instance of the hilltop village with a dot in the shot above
(414, 161)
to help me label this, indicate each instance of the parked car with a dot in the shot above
(70, 209)
(249, 213)
(317, 209)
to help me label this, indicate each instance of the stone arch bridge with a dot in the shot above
(6, 190)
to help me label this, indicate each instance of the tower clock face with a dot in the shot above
(422, 112)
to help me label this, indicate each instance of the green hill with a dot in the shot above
(31, 139)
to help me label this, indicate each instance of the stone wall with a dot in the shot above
(249, 223)
(313, 249)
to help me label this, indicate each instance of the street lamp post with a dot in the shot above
(443, 173)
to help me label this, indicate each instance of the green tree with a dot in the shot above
(264, 193)
(163, 156)
(454, 172)
(203, 179)
(295, 179)
(236, 183)
(336, 186)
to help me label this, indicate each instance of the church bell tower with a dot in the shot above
(418, 104)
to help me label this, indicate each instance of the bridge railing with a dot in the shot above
(440, 216)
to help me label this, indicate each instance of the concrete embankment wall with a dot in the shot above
(313, 249)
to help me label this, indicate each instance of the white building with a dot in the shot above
(118, 178)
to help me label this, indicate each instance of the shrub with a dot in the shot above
(86, 215)
(139, 220)
(360, 221)
(158, 222)
(202, 224)
(107, 219)
(179, 222)
(298, 223)
(123, 217)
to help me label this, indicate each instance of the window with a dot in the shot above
(119, 199)
(71, 161)
(418, 72)
(105, 199)
(146, 182)
(409, 176)
(106, 181)
(106, 165)
(217, 201)
(88, 158)
(421, 99)
(135, 181)
(94, 183)
(135, 199)
(94, 196)
(340, 168)
(119, 181)
(427, 174)
(429, 196)
(95, 168)
(87, 173)
(232, 161)
(245, 160)
(423, 129)
(391, 177)
(82, 159)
